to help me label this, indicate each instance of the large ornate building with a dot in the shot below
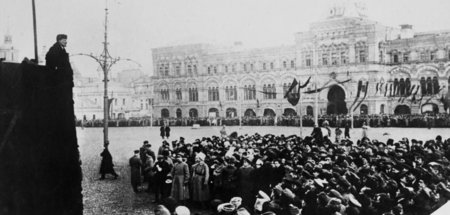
(362, 66)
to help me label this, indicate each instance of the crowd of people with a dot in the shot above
(374, 120)
(268, 174)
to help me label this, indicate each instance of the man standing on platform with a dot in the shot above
(58, 59)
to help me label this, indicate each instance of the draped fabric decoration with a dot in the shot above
(390, 90)
(357, 94)
(376, 88)
(413, 99)
(364, 98)
(292, 98)
(386, 90)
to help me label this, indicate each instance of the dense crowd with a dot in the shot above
(255, 174)
(375, 120)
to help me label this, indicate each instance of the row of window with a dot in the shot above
(232, 112)
(164, 69)
(404, 57)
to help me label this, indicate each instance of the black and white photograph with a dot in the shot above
(227, 107)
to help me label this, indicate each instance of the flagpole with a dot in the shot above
(301, 114)
(316, 117)
(240, 109)
(35, 33)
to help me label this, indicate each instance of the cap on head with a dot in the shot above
(60, 37)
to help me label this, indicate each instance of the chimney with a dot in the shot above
(406, 31)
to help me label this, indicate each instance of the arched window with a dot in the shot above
(435, 85)
(165, 113)
(423, 86)
(402, 87)
(363, 110)
(284, 64)
(429, 86)
(407, 86)
(193, 113)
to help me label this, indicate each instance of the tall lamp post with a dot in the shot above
(106, 62)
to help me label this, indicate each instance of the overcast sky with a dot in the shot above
(137, 26)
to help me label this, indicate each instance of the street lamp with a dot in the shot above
(106, 62)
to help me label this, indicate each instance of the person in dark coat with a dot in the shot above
(135, 164)
(347, 130)
(161, 169)
(317, 133)
(58, 59)
(107, 166)
(162, 131)
(245, 182)
(167, 131)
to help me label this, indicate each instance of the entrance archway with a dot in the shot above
(165, 113)
(193, 113)
(336, 101)
(231, 112)
(402, 109)
(289, 112)
(213, 112)
(269, 112)
(250, 113)
(430, 108)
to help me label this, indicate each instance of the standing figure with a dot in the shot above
(200, 178)
(317, 133)
(162, 131)
(161, 169)
(58, 59)
(135, 164)
(245, 182)
(107, 166)
(338, 133)
(167, 131)
(365, 130)
(223, 132)
(180, 174)
(229, 179)
(347, 130)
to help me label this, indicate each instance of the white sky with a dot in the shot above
(137, 26)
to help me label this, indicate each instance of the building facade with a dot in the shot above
(361, 66)
(7, 50)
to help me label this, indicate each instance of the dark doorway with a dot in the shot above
(289, 112)
(402, 109)
(193, 113)
(336, 101)
(250, 113)
(269, 112)
(179, 115)
(165, 113)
